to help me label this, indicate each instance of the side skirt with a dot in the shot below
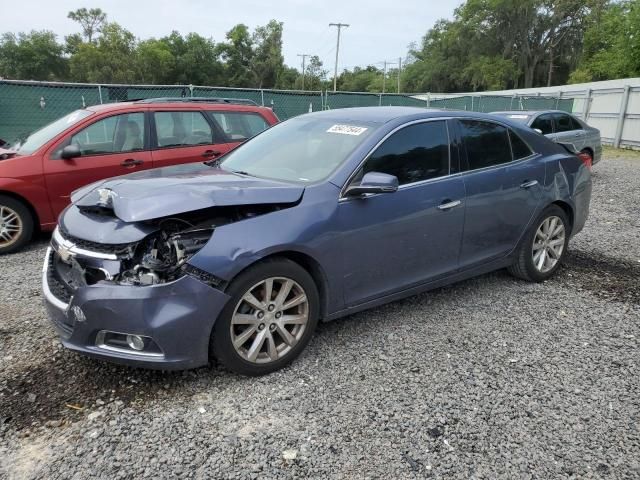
(457, 277)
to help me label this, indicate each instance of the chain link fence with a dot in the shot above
(26, 106)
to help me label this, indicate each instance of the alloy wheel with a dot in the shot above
(10, 226)
(269, 320)
(548, 244)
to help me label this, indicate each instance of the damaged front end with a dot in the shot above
(138, 302)
(118, 282)
(159, 257)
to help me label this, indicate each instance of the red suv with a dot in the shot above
(38, 174)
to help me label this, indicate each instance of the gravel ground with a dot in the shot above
(489, 378)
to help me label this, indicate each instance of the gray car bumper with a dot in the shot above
(177, 316)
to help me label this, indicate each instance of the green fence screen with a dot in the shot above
(27, 106)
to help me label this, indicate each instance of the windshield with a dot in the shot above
(303, 149)
(38, 138)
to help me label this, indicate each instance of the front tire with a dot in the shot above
(543, 246)
(16, 224)
(270, 318)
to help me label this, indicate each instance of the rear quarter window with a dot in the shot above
(518, 146)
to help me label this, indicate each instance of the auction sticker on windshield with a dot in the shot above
(347, 129)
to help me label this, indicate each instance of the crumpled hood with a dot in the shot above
(168, 191)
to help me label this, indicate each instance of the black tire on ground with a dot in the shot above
(221, 347)
(523, 266)
(19, 217)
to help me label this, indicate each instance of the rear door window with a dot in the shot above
(487, 144)
(179, 129)
(544, 123)
(563, 122)
(239, 126)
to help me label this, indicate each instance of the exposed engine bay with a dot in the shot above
(160, 257)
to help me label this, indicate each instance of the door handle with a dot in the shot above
(448, 204)
(529, 184)
(210, 153)
(131, 162)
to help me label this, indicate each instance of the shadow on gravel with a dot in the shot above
(605, 277)
(68, 387)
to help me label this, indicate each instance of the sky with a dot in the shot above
(379, 29)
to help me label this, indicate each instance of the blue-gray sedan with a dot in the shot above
(318, 217)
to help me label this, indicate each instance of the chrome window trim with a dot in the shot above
(342, 197)
(59, 240)
(48, 295)
(534, 154)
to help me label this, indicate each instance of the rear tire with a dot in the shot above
(16, 224)
(270, 318)
(543, 247)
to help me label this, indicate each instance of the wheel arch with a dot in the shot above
(27, 204)
(590, 151)
(307, 262)
(568, 210)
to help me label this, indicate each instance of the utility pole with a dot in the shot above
(399, 70)
(335, 69)
(384, 76)
(304, 57)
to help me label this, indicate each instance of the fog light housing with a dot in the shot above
(136, 342)
(129, 343)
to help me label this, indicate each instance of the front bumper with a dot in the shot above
(178, 316)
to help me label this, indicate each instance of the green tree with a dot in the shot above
(480, 47)
(237, 53)
(155, 62)
(32, 56)
(611, 45)
(107, 60)
(72, 43)
(315, 75)
(360, 79)
(196, 60)
(289, 79)
(90, 20)
(267, 62)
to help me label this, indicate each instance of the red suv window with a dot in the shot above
(239, 126)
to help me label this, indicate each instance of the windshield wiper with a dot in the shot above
(240, 172)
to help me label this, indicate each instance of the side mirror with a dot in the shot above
(374, 182)
(538, 130)
(70, 151)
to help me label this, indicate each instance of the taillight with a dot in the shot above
(586, 159)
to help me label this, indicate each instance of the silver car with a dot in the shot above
(561, 127)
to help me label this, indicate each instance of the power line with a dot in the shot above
(335, 68)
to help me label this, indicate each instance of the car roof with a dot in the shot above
(527, 112)
(123, 106)
(387, 114)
